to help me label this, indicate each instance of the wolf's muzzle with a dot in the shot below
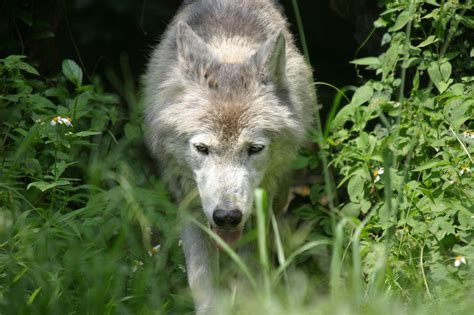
(227, 219)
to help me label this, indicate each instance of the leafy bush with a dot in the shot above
(77, 203)
(404, 147)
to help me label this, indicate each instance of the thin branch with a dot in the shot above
(68, 26)
(462, 144)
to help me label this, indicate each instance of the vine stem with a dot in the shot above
(422, 268)
(407, 53)
(320, 139)
(73, 41)
(450, 34)
(453, 28)
(462, 145)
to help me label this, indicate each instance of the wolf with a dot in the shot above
(228, 105)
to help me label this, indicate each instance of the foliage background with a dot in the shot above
(86, 226)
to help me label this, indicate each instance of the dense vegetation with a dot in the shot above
(86, 228)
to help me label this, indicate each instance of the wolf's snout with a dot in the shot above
(227, 219)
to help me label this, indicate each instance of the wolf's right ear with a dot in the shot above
(191, 48)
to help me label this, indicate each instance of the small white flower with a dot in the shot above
(181, 267)
(469, 134)
(154, 250)
(459, 260)
(136, 264)
(377, 174)
(464, 170)
(67, 121)
(180, 242)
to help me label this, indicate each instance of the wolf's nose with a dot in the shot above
(227, 219)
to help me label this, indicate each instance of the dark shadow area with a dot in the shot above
(95, 33)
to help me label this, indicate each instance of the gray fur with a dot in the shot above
(227, 75)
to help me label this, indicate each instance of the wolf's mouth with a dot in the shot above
(231, 237)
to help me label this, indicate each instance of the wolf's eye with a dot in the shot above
(202, 148)
(256, 148)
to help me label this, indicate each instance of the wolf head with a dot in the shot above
(225, 115)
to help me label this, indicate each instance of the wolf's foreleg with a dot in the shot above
(200, 262)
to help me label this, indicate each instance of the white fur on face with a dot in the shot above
(227, 175)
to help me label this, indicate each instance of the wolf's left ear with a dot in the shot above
(271, 60)
(191, 48)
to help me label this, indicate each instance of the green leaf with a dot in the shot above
(445, 69)
(355, 188)
(457, 89)
(416, 81)
(430, 40)
(60, 92)
(465, 218)
(446, 226)
(343, 116)
(468, 21)
(107, 98)
(410, 62)
(15, 62)
(72, 72)
(362, 95)
(390, 58)
(380, 22)
(33, 295)
(44, 186)
(60, 167)
(367, 61)
(434, 73)
(80, 106)
(386, 216)
(456, 111)
(365, 206)
(430, 164)
(438, 73)
(81, 134)
(27, 68)
(432, 2)
(39, 102)
(305, 212)
(401, 21)
(351, 209)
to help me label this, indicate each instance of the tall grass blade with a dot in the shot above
(357, 277)
(336, 259)
(306, 247)
(261, 203)
(279, 246)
